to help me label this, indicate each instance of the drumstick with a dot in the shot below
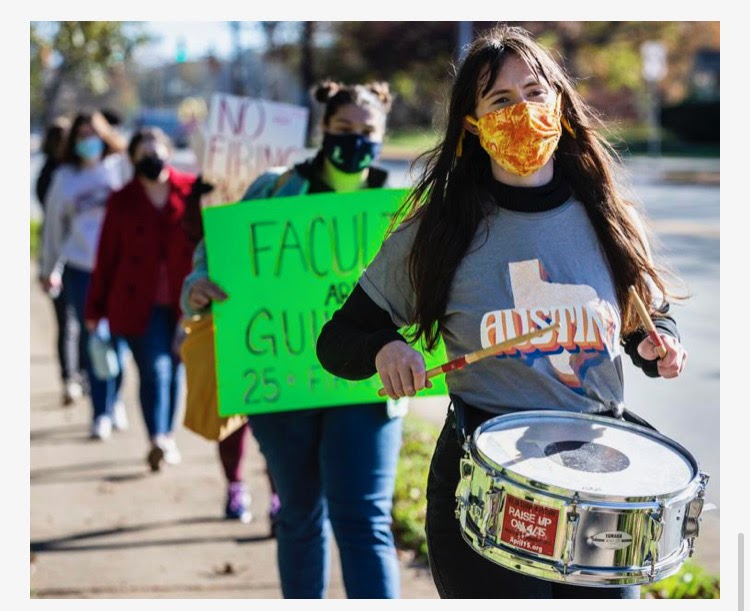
(648, 323)
(478, 355)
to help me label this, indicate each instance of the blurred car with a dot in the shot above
(167, 120)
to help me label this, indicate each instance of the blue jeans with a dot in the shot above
(159, 371)
(457, 570)
(104, 393)
(334, 468)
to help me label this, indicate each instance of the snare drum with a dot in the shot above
(579, 499)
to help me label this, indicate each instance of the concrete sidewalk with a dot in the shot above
(103, 526)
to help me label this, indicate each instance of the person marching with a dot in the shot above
(68, 346)
(515, 223)
(143, 257)
(333, 466)
(232, 448)
(74, 211)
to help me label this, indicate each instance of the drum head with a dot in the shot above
(584, 453)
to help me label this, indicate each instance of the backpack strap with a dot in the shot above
(281, 181)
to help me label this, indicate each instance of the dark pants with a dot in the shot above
(232, 450)
(104, 393)
(457, 570)
(69, 339)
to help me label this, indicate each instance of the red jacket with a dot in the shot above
(134, 233)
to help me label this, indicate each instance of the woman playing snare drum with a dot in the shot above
(514, 224)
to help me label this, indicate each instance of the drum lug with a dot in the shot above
(571, 529)
(655, 534)
(693, 510)
(491, 510)
(463, 491)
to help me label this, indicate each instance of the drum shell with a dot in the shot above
(652, 530)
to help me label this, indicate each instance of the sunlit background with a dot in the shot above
(656, 85)
(650, 79)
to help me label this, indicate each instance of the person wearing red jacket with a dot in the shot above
(142, 259)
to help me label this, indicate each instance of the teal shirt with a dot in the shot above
(266, 185)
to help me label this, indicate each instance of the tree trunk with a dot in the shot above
(307, 73)
(51, 91)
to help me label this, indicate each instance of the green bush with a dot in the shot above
(633, 139)
(410, 506)
(691, 581)
(409, 500)
(410, 141)
(695, 121)
(35, 238)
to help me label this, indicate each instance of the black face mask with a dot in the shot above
(350, 153)
(150, 167)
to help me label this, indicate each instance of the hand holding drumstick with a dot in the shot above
(402, 369)
(667, 349)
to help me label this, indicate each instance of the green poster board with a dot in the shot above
(288, 264)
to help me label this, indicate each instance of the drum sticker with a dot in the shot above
(529, 526)
(612, 540)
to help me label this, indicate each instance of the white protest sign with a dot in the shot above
(246, 136)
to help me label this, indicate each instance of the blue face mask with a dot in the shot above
(350, 153)
(90, 147)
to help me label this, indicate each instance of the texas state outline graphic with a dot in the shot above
(588, 324)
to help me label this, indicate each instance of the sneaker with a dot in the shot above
(172, 455)
(120, 417)
(101, 428)
(163, 450)
(72, 391)
(273, 513)
(238, 503)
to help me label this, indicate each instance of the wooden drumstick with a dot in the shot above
(648, 323)
(478, 355)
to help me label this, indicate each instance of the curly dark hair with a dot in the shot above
(334, 95)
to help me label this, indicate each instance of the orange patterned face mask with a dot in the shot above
(521, 137)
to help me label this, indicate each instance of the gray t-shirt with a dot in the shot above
(523, 271)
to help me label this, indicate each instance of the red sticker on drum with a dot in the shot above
(529, 526)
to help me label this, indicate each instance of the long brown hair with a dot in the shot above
(451, 196)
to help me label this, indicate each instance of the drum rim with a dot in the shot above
(550, 568)
(564, 492)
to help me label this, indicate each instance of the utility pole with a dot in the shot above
(307, 74)
(654, 57)
(236, 81)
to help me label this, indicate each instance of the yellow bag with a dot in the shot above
(201, 407)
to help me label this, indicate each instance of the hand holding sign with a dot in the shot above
(203, 292)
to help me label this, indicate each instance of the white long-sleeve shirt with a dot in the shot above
(74, 213)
